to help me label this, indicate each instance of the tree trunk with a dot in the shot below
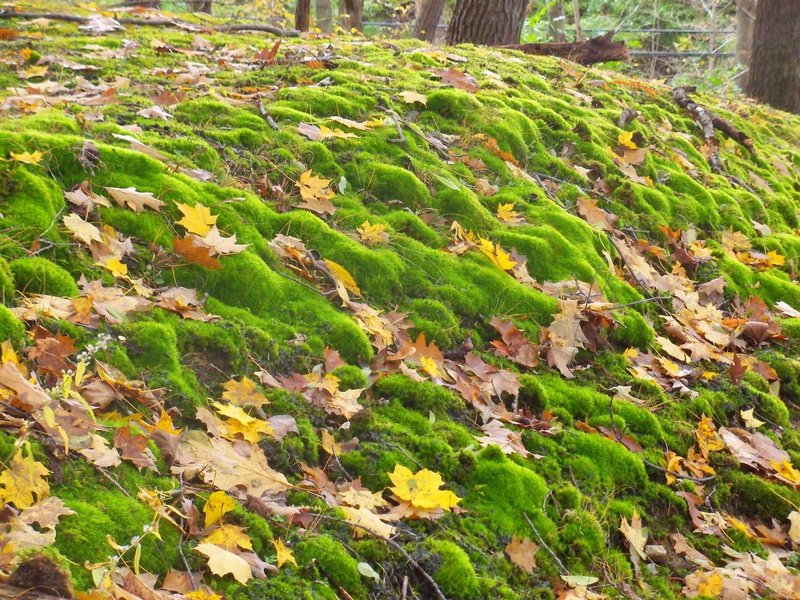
(203, 6)
(324, 15)
(595, 50)
(489, 22)
(428, 20)
(745, 27)
(556, 22)
(774, 75)
(302, 15)
(351, 10)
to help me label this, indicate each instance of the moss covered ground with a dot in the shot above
(542, 131)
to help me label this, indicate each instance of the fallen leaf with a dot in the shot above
(521, 551)
(135, 200)
(221, 562)
(196, 219)
(282, 553)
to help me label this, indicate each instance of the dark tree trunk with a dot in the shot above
(352, 10)
(489, 22)
(324, 15)
(302, 15)
(428, 20)
(774, 75)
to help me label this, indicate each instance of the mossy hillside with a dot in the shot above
(575, 494)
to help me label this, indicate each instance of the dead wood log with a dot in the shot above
(595, 50)
(10, 592)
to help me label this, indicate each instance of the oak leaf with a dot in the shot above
(135, 200)
(219, 244)
(82, 230)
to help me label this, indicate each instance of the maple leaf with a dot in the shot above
(132, 447)
(191, 248)
(196, 219)
(635, 534)
(361, 498)
(218, 505)
(707, 438)
(240, 423)
(81, 230)
(507, 214)
(365, 522)
(219, 244)
(750, 421)
(221, 562)
(510, 442)
(594, 215)
(521, 551)
(410, 97)
(29, 158)
(243, 393)
(24, 482)
(116, 267)
(282, 553)
(372, 235)
(136, 201)
(458, 79)
(229, 537)
(496, 254)
(99, 452)
(315, 193)
(46, 513)
(625, 139)
(421, 489)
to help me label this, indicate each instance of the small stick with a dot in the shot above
(106, 475)
(680, 475)
(560, 565)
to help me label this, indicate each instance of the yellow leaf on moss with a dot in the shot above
(243, 393)
(229, 537)
(497, 255)
(421, 489)
(282, 553)
(196, 219)
(507, 214)
(786, 472)
(217, 506)
(626, 139)
(343, 276)
(372, 235)
(115, 266)
(221, 562)
(29, 158)
(410, 97)
(24, 482)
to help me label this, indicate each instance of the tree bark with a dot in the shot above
(428, 20)
(203, 6)
(745, 28)
(774, 75)
(302, 15)
(352, 10)
(556, 22)
(599, 49)
(489, 22)
(324, 17)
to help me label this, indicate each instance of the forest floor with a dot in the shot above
(364, 318)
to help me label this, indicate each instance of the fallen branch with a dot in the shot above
(559, 565)
(680, 475)
(156, 22)
(595, 50)
(708, 123)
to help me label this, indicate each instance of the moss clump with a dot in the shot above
(422, 396)
(37, 275)
(11, 328)
(333, 562)
(455, 574)
(351, 378)
(7, 289)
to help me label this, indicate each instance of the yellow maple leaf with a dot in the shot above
(243, 392)
(626, 139)
(497, 255)
(785, 471)
(221, 562)
(421, 489)
(507, 214)
(707, 437)
(313, 187)
(115, 266)
(365, 522)
(202, 595)
(24, 482)
(430, 367)
(282, 553)
(343, 276)
(372, 235)
(196, 219)
(240, 423)
(217, 506)
(29, 158)
(229, 537)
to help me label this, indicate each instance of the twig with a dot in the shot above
(680, 475)
(437, 592)
(641, 301)
(106, 475)
(562, 569)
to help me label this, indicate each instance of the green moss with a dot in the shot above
(422, 396)
(11, 328)
(609, 464)
(37, 275)
(454, 574)
(632, 331)
(7, 289)
(330, 558)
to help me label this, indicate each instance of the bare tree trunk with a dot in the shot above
(745, 28)
(489, 22)
(774, 75)
(203, 6)
(324, 15)
(428, 20)
(302, 15)
(352, 10)
(576, 14)
(556, 22)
